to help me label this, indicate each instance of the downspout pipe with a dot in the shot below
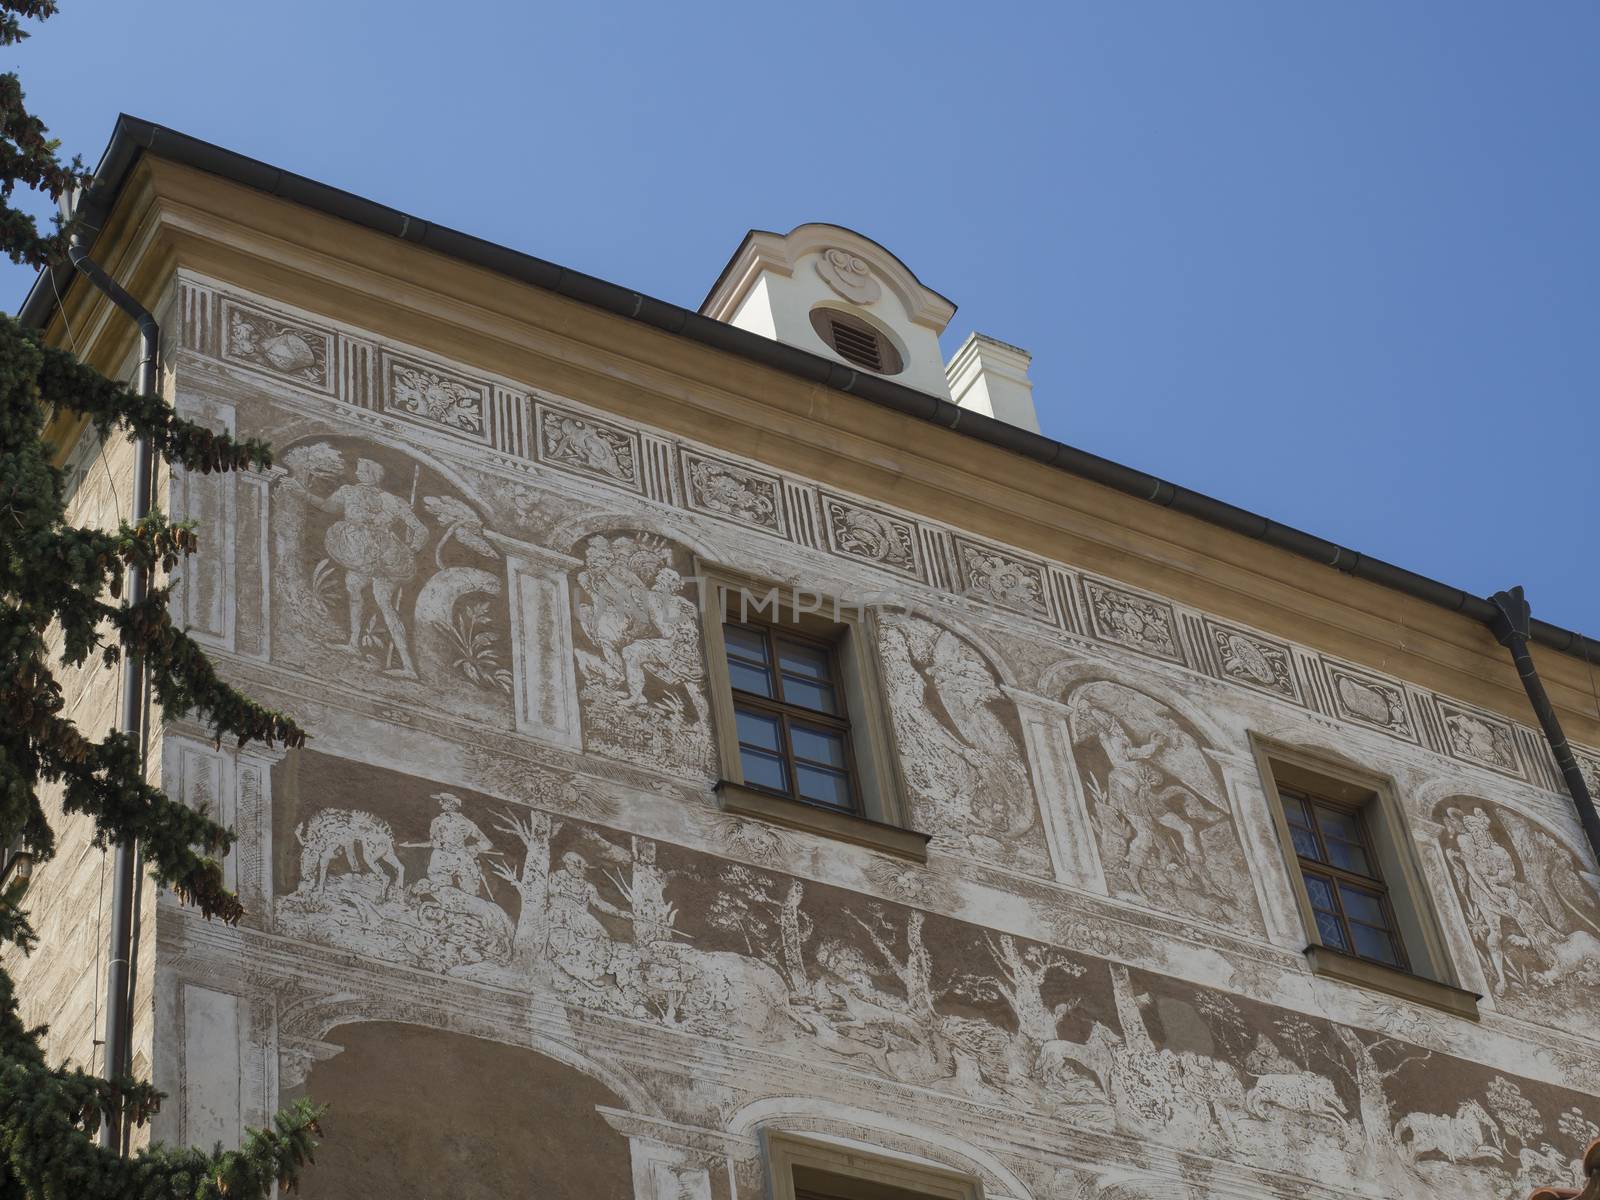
(119, 1003)
(1510, 626)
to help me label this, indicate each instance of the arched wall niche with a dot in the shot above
(318, 1019)
(880, 1133)
(638, 646)
(1531, 906)
(1064, 677)
(385, 578)
(419, 1111)
(946, 619)
(1157, 799)
(961, 741)
(570, 535)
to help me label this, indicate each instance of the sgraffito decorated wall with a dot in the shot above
(499, 920)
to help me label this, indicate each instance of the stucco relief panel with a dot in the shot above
(960, 744)
(733, 492)
(1134, 621)
(1159, 807)
(587, 446)
(640, 654)
(1371, 700)
(1480, 738)
(385, 579)
(1005, 580)
(436, 397)
(1533, 910)
(1254, 661)
(871, 535)
(295, 351)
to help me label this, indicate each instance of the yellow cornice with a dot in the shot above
(132, 248)
(176, 216)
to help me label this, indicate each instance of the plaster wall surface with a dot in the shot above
(498, 917)
(62, 984)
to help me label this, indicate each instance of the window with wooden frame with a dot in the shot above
(802, 730)
(791, 715)
(1357, 879)
(1343, 880)
(802, 1168)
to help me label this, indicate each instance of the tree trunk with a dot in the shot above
(533, 886)
(789, 925)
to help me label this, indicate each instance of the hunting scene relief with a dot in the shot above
(881, 996)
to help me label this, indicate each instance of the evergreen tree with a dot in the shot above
(58, 582)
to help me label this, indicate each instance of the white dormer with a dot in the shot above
(828, 290)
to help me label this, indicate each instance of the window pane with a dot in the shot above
(1331, 932)
(1305, 843)
(1349, 856)
(1295, 809)
(758, 729)
(745, 643)
(764, 770)
(1338, 824)
(815, 696)
(809, 662)
(745, 678)
(1375, 944)
(1362, 905)
(822, 786)
(819, 745)
(1321, 892)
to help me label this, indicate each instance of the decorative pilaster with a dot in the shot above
(545, 689)
(673, 1161)
(205, 598)
(1069, 829)
(1463, 951)
(1252, 817)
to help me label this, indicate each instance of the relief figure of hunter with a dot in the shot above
(384, 578)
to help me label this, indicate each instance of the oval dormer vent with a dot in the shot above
(855, 341)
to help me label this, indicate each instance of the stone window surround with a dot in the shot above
(858, 1174)
(1432, 980)
(884, 823)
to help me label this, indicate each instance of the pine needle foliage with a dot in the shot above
(60, 606)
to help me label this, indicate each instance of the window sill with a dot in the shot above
(841, 826)
(1348, 969)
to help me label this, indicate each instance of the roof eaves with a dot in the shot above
(133, 137)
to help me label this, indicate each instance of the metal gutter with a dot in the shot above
(1510, 628)
(133, 137)
(135, 704)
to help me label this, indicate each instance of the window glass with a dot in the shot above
(1374, 944)
(823, 786)
(745, 678)
(1321, 893)
(759, 729)
(1305, 842)
(745, 643)
(808, 662)
(1361, 905)
(1331, 931)
(818, 697)
(825, 746)
(1348, 856)
(764, 770)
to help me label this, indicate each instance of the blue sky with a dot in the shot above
(1336, 263)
